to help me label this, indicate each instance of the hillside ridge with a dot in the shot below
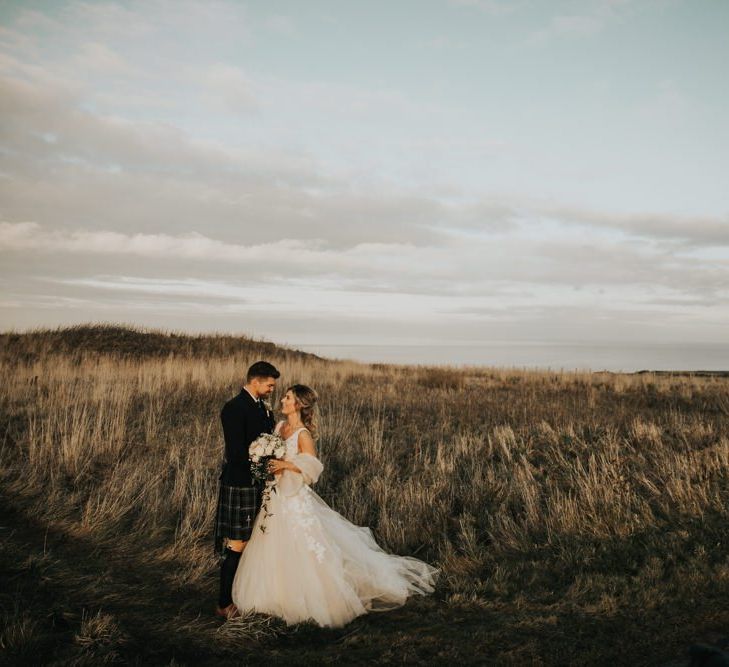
(127, 341)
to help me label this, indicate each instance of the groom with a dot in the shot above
(244, 418)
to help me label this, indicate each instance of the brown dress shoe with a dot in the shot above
(226, 612)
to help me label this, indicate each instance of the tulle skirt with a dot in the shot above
(313, 564)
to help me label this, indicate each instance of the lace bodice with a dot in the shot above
(292, 442)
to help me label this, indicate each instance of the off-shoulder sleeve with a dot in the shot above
(310, 466)
(290, 481)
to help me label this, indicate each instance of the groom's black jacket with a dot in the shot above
(243, 421)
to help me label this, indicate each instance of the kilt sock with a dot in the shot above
(227, 574)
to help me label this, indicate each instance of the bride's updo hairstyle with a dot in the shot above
(306, 399)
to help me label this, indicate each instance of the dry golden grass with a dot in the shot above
(564, 509)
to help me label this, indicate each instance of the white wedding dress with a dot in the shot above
(310, 563)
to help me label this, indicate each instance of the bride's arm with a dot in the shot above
(304, 467)
(305, 446)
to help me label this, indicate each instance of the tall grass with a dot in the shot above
(597, 492)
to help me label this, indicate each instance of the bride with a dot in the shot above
(309, 562)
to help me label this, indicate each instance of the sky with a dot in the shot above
(390, 173)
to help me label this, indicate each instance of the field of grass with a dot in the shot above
(577, 518)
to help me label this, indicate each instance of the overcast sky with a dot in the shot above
(386, 172)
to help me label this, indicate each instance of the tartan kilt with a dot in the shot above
(236, 512)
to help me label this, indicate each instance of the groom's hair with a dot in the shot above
(262, 369)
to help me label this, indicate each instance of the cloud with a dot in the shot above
(33, 108)
(280, 24)
(494, 7)
(230, 85)
(506, 286)
(31, 236)
(67, 164)
(136, 49)
(685, 231)
(278, 298)
(595, 15)
(71, 149)
(575, 24)
(146, 167)
(98, 57)
(463, 264)
(667, 102)
(286, 257)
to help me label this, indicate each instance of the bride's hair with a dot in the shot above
(306, 398)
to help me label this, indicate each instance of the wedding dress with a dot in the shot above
(310, 563)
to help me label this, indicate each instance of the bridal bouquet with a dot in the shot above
(265, 447)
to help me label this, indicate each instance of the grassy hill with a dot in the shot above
(577, 518)
(134, 343)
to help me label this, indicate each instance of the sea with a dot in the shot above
(621, 357)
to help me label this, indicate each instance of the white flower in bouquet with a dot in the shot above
(265, 447)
